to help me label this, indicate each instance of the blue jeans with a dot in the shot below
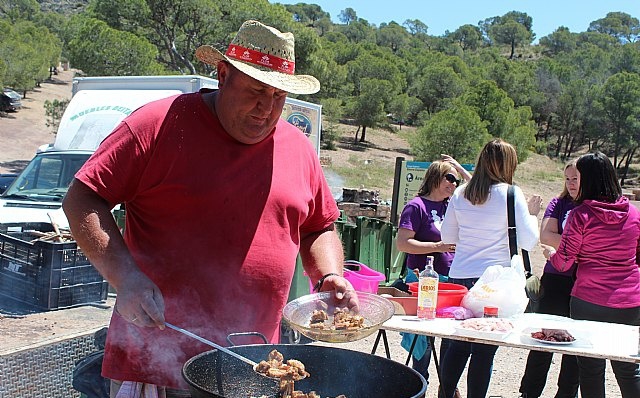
(455, 360)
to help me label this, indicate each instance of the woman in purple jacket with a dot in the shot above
(601, 236)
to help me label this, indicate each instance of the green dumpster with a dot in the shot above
(299, 283)
(396, 259)
(374, 244)
(347, 232)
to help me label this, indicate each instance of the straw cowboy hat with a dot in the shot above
(264, 53)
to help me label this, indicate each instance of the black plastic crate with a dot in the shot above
(44, 274)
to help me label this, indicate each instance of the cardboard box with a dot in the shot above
(404, 303)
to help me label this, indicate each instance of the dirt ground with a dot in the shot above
(23, 131)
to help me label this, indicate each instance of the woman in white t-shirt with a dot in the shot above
(476, 222)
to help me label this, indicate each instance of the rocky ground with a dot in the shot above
(23, 131)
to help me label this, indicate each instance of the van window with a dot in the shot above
(47, 176)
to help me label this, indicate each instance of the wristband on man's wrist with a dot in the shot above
(318, 285)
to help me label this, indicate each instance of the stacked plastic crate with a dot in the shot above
(45, 274)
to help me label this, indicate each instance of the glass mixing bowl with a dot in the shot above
(374, 309)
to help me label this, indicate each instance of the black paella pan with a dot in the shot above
(334, 371)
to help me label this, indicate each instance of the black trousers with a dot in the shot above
(557, 295)
(592, 369)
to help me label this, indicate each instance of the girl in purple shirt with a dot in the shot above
(421, 218)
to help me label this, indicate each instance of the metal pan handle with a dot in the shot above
(254, 334)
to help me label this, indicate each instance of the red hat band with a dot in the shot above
(258, 58)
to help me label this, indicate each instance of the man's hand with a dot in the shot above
(140, 302)
(344, 293)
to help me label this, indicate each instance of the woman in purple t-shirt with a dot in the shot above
(419, 233)
(421, 218)
(557, 294)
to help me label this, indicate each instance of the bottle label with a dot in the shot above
(427, 297)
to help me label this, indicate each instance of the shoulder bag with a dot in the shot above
(533, 288)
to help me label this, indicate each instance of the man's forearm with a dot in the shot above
(322, 253)
(97, 234)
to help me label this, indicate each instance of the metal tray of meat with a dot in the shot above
(461, 330)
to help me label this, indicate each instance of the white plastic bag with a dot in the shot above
(501, 287)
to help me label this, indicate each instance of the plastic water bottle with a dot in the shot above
(427, 291)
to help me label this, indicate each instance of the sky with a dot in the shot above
(443, 15)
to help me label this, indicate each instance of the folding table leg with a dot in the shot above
(381, 333)
(413, 345)
(375, 344)
(432, 343)
(386, 343)
(434, 353)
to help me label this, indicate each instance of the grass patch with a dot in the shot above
(367, 174)
(539, 175)
(540, 169)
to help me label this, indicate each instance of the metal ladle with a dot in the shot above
(211, 343)
(223, 349)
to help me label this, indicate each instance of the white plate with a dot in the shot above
(551, 342)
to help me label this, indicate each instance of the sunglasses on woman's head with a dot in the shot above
(452, 179)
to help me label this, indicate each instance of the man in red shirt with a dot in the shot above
(221, 195)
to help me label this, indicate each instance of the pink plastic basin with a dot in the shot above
(364, 280)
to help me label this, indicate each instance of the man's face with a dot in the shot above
(247, 109)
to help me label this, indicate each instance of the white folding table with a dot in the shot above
(593, 339)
